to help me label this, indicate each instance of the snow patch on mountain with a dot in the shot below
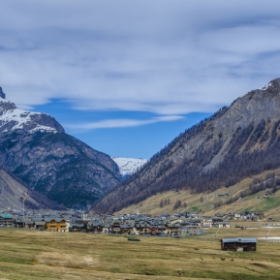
(19, 118)
(129, 166)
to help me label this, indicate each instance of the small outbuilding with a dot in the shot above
(239, 244)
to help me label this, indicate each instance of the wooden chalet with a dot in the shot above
(141, 228)
(153, 229)
(115, 227)
(96, 227)
(126, 228)
(173, 229)
(239, 244)
(57, 224)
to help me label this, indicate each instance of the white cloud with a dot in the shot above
(158, 56)
(246, 40)
(114, 123)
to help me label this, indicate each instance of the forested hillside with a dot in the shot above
(236, 142)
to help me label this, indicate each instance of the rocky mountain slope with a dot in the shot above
(128, 166)
(236, 142)
(14, 195)
(36, 150)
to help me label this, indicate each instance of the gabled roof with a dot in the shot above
(58, 220)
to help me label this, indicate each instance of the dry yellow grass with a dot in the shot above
(203, 203)
(42, 255)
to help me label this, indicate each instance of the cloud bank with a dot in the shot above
(164, 57)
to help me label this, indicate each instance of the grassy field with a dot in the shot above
(42, 255)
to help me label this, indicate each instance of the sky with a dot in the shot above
(128, 76)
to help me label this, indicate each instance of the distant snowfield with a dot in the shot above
(129, 166)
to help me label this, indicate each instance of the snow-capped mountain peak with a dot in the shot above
(129, 166)
(12, 118)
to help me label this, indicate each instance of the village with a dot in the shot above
(178, 224)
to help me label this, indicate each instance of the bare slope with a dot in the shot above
(235, 143)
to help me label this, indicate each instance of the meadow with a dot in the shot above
(29, 254)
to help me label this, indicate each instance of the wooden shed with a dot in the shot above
(239, 244)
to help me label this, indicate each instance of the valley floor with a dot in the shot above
(28, 254)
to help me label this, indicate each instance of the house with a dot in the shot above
(6, 219)
(96, 227)
(78, 227)
(237, 216)
(239, 244)
(28, 223)
(192, 228)
(115, 227)
(217, 221)
(206, 224)
(141, 227)
(224, 225)
(173, 229)
(19, 223)
(124, 228)
(106, 228)
(57, 224)
(39, 224)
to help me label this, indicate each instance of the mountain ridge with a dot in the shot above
(234, 142)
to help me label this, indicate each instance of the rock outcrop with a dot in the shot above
(2, 94)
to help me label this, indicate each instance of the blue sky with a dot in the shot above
(126, 77)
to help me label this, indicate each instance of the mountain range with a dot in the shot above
(37, 152)
(236, 142)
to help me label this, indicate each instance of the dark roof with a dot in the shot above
(239, 240)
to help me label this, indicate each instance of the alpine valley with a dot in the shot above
(41, 159)
(238, 142)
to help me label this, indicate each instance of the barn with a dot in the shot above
(239, 244)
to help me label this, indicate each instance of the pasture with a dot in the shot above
(29, 254)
